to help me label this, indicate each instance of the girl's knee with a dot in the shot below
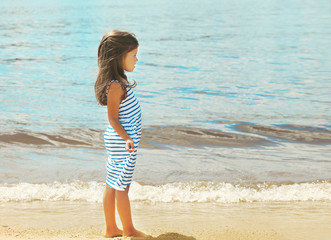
(109, 190)
(124, 192)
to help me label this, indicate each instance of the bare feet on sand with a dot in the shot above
(136, 233)
(114, 233)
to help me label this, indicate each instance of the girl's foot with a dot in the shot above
(114, 233)
(136, 233)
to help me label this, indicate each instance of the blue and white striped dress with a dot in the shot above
(120, 163)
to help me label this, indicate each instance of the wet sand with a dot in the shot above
(196, 221)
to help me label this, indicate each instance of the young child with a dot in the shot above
(117, 53)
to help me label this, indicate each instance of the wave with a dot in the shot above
(64, 138)
(152, 138)
(295, 133)
(189, 192)
(161, 136)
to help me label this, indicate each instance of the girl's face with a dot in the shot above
(130, 60)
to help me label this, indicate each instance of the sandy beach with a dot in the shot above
(190, 221)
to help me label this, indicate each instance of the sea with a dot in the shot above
(235, 98)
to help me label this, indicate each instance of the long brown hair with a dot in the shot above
(111, 51)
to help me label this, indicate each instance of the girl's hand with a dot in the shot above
(129, 145)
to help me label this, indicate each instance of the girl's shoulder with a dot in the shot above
(115, 89)
(114, 80)
(115, 85)
(118, 82)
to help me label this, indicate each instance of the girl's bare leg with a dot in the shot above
(124, 210)
(109, 208)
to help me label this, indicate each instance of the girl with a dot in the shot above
(117, 53)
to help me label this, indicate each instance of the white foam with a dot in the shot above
(199, 192)
(74, 191)
(229, 193)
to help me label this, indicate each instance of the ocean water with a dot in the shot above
(235, 99)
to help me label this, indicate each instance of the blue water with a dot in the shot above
(202, 64)
(266, 62)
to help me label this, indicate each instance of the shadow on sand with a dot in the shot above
(168, 236)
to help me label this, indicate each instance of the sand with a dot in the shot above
(194, 221)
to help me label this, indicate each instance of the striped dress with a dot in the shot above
(120, 163)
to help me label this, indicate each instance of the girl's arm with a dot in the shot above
(114, 98)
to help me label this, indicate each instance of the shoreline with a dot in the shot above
(190, 221)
